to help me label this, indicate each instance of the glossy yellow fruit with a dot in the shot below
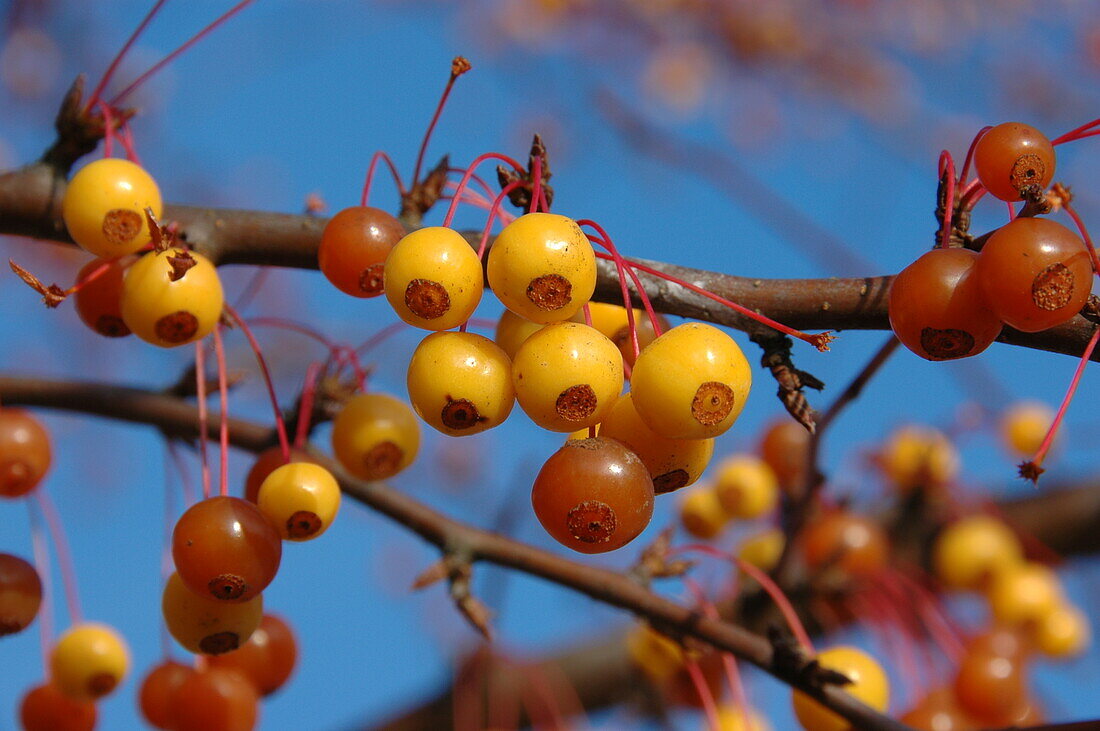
(734, 718)
(657, 655)
(1024, 426)
(869, 685)
(970, 551)
(701, 514)
(89, 661)
(542, 267)
(460, 383)
(1024, 593)
(170, 313)
(746, 486)
(917, 456)
(672, 463)
(611, 320)
(512, 330)
(104, 207)
(433, 278)
(567, 376)
(763, 549)
(375, 436)
(301, 499)
(1063, 632)
(691, 383)
(208, 626)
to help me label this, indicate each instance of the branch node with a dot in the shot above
(520, 196)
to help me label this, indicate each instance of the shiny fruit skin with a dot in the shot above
(593, 495)
(869, 685)
(938, 308)
(45, 708)
(1035, 273)
(691, 383)
(991, 684)
(267, 659)
(746, 486)
(156, 690)
(99, 301)
(701, 513)
(375, 436)
(968, 553)
(567, 376)
(104, 207)
(611, 320)
(542, 267)
(460, 383)
(171, 313)
(215, 698)
(89, 661)
(673, 463)
(266, 463)
(938, 711)
(301, 499)
(25, 452)
(847, 542)
(204, 625)
(20, 594)
(353, 249)
(919, 457)
(1012, 156)
(511, 332)
(433, 279)
(225, 548)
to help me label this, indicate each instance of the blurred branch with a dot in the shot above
(30, 201)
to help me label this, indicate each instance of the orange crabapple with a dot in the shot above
(938, 711)
(25, 452)
(938, 309)
(512, 330)
(20, 594)
(612, 321)
(353, 249)
(375, 436)
(746, 486)
(45, 708)
(701, 513)
(104, 207)
(918, 456)
(593, 495)
(567, 376)
(672, 463)
(214, 698)
(301, 499)
(846, 542)
(226, 548)
(990, 683)
(157, 688)
(168, 308)
(460, 383)
(869, 684)
(99, 301)
(542, 267)
(267, 659)
(89, 661)
(1024, 425)
(691, 383)
(1035, 273)
(1012, 158)
(785, 447)
(968, 553)
(204, 625)
(266, 463)
(433, 279)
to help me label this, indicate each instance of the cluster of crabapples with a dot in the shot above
(595, 494)
(1031, 274)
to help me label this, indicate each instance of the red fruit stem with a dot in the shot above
(1011, 212)
(631, 326)
(41, 554)
(223, 399)
(1037, 460)
(108, 129)
(944, 634)
(1076, 134)
(92, 276)
(881, 621)
(174, 54)
(729, 662)
(485, 187)
(542, 200)
(200, 394)
(380, 155)
(255, 284)
(466, 180)
(127, 141)
(608, 244)
(431, 125)
(540, 684)
(280, 426)
(971, 194)
(970, 153)
(536, 185)
(494, 210)
(95, 96)
(305, 405)
(293, 326)
(710, 708)
(947, 167)
(587, 310)
(1084, 236)
(181, 468)
(382, 335)
(818, 340)
(64, 554)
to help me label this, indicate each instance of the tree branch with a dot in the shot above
(30, 200)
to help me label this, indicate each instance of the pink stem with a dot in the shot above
(1076, 134)
(305, 407)
(64, 554)
(700, 682)
(200, 394)
(1084, 235)
(466, 180)
(108, 129)
(431, 125)
(536, 184)
(947, 166)
(280, 426)
(380, 155)
(223, 398)
(729, 662)
(42, 566)
(118, 58)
